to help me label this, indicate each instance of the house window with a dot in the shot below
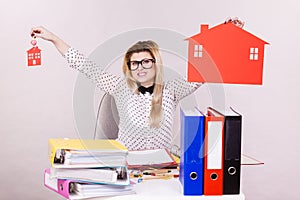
(253, 53)
(198, 51)
(30, 56)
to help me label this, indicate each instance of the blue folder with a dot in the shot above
(192, 151)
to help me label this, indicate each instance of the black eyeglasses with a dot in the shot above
(146, 63)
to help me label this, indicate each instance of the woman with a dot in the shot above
(145, 103)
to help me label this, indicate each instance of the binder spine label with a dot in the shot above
(214, 157)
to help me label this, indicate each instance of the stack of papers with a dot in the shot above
(153, 158)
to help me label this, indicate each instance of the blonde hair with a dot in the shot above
(156, 105)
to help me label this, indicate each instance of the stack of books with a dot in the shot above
(87, 168)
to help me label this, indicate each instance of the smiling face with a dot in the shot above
(145, 77)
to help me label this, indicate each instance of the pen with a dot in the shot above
(163, 177)
(156, 171)
(144, 178)
(166, 175)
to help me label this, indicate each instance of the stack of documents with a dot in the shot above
(151, 158)
(87, 168)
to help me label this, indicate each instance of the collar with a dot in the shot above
(143, 89)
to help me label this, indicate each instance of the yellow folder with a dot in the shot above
(69, 153)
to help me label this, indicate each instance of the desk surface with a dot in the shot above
(166, 189)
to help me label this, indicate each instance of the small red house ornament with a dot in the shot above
(34, 55)
(225, 54)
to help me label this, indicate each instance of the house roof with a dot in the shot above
(34, 49)
(230, 31)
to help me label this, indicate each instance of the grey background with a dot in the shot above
(37, 103)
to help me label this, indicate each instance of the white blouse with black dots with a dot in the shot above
(134, 109)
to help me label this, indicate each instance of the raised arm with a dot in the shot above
(43, 33)
(104, 80)
(181, 87)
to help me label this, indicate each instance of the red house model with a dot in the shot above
(34, 56)
(225, 54)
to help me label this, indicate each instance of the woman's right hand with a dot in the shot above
(43, 33)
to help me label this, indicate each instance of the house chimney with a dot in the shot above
(203, 28)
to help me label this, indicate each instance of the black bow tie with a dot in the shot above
(143, 89)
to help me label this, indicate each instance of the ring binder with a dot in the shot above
(191, 159)
(232, 149)
(213, 159)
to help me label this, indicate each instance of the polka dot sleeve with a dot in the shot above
(104, 80)
(182, 88)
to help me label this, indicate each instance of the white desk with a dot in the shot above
(166, 189)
